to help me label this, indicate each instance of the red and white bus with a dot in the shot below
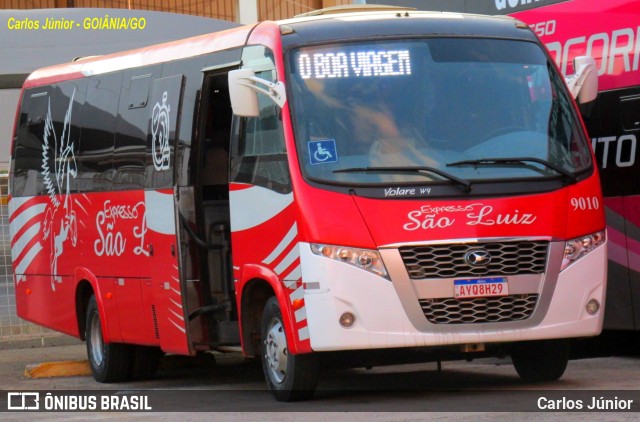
(354, 183)
(610, 33)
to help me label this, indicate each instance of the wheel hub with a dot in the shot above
(97, 346)
(276, 351)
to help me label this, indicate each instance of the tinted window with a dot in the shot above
(27, 152)
(139, 91)
(260, 156)
(99, 116)
(440, 103)
(132, 126)
(48, 140)
(164, 111)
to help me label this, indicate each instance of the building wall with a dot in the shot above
(8, 100)
(279, 9)
(11, 327)
(218, 9)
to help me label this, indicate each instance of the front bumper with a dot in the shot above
(388, 313)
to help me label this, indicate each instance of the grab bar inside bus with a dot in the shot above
(197, 239)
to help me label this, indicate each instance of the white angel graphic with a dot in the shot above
(59, 188)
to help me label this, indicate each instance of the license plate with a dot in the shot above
(481, 287)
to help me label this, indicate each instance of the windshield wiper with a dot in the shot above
(465, 184)
(517, 161)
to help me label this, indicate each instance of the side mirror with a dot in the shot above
(243, 91)
(583, 84)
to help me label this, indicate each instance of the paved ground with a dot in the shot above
(380, 394)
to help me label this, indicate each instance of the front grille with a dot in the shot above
(479, 310)
(448, 261)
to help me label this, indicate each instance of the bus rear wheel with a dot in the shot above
(538, 361)
(289, 377)
(108, 362)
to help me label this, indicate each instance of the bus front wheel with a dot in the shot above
(544, 360)
(108, 362)
(289, 377)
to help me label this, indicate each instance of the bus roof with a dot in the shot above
(307, 29)
(159, 53)
(334, 27)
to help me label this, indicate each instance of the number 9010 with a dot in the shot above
(585, 203)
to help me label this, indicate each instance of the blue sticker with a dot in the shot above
(323, 151)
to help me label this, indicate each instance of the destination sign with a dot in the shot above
(354, 64)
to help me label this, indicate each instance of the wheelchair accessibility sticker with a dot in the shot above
(323, 151)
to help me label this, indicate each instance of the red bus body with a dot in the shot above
(123, 221)
(610, 33)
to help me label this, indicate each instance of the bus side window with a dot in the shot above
(163, 111)
(129, 160)
(46, 148)
(27, 180)
(259, 155)
(95, 160)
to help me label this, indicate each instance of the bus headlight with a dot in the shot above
(366, 259)
(575, 249)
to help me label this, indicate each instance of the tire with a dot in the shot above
(145, 362)
(289, 377)
(538, 361)
(108, 362)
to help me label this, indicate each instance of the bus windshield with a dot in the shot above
(471, 109)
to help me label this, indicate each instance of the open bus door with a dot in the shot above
(164, 293)
(210, 301)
